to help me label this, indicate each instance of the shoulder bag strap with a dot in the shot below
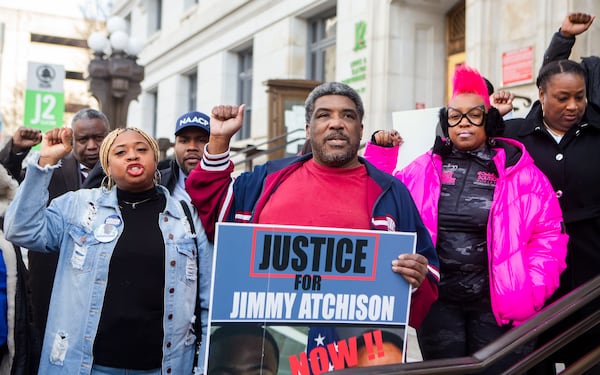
(197, 323)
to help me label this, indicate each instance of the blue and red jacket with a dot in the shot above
(218, 197)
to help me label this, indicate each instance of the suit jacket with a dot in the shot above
(66, 178)
(13, 162)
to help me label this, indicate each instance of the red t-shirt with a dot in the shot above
(315, 195)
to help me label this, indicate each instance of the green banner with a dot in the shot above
(44, 97)
(44, 110)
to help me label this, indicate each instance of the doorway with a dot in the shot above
(455, 43)
(286, 114)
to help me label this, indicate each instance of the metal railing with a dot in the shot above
(481, 360)
(252, 152)
(526, 101)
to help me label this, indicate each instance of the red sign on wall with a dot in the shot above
(517, 66)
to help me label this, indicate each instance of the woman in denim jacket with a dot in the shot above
(126, 283)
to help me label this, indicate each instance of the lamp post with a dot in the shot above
(114, 75)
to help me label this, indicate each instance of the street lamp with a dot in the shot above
(114, 75)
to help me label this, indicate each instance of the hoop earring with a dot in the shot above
(107, 182)
(157, 177)
(492, 141)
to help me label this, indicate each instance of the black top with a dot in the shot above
(468, 183)
(130, 332)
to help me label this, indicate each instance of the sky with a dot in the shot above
(69, 8)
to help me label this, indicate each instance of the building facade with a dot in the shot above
(397, 53)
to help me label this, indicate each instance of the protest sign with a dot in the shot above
(308, 285)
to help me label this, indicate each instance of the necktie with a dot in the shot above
(84, 173)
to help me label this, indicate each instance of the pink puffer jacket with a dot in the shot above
(527, 244)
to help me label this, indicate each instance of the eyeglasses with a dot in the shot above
(475, 116)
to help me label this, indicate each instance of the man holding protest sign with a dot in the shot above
(332, 187)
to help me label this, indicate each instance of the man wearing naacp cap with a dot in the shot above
(191, 134)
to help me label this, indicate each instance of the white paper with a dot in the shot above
(417, 128)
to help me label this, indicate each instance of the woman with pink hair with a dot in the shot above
(494, 220)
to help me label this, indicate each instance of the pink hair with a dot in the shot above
(467, 80)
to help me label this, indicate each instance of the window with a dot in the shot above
(127, 19)
(2, 39)
(189, 3)
(245, 90)
(158, 17)
(153, 105)
(322, 35)
(78, 76)
(192, 91)
(154, 16)
(60, 41)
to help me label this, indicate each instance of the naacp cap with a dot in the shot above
(193, 119)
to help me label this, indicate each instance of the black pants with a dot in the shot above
(3, 351)
(453, 329)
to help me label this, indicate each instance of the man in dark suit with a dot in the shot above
(89, 129)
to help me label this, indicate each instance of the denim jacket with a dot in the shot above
(71, 225)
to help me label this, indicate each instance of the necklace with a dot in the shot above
(134, 204)
(557, 136)
(553, 131)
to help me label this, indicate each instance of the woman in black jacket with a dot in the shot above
(564, 142)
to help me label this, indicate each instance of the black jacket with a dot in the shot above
(13, 162)
(28, 343)
(169, 174)
(573, 167)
